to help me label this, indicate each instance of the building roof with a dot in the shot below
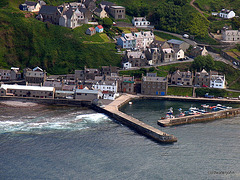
(175, 41)
(154, 79)
(139, 19)
(100, 27)
(136, 55)
(91, 29)
(30, 3)
(225, 11)
(117, 7)
(30, 88)
(64, 92)
(48, 9)
(98, 10)
(107, 3)
(87, 91)
(37, 69)
(168, 50)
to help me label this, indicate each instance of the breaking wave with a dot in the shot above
(72, 121)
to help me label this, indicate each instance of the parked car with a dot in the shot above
(179, 84)
(186, 36)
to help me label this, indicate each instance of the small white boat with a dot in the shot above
(130, 103)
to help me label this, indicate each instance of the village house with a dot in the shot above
(198, 51)
(88, 94)
(27, 91)
(88, 16)
(69, 19)
(177, 44)
(179, 53)
(86, 74)
(136, 58)
(153, 56)
(230, 35)
(106, 5)
(91, 31)
(108, 88)
(15, 74)
(153, 85)
(183, 78)
(128, 85)
(140, 22)
(32, 6)
(168, 55)
(202, 79)
(35, 76)
(139, 40)
(50, 14)
(109, 70)
(5, 75)
(226, 14)
(64, 94)
(99, 29)
(100, 12)
(117, 12)
(90, 5)
(218, 81)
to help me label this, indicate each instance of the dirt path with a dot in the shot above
(191, 3)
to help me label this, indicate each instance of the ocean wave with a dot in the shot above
(33, 123)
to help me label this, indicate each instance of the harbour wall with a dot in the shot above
(133, 123)
(48, 101)
(199, 118)
(189, 99)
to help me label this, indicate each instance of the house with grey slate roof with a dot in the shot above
(50, 14)
(69, 19)
(178, 44)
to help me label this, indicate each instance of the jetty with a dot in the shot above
(112, 111)
(199, 117)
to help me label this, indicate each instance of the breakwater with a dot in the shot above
(112, 111)
(199, 118)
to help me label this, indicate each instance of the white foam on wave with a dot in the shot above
(32, 123)
(93, 118)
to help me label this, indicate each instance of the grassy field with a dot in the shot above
(165, 36)
(179, 91)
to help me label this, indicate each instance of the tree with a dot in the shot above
(107, 23)
(203, 62)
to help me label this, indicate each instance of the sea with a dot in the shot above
(62, 142)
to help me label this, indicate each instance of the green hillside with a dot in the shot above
(170, 15)
(27, 42)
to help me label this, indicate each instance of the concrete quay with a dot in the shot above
(199, 118)
(112, 111)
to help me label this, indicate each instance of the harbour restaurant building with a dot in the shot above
(27, 91)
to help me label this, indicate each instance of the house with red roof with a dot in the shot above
(91, 31)
(99, 29)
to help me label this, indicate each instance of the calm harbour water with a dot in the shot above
(49, 142)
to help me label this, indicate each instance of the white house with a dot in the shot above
(218, 81)
(127, 65)
(140, 40)
(179, 54)
(227, 14)
(109, 89)
(140, 22)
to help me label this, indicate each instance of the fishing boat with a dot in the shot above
(205, 105)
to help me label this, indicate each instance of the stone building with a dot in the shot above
(35, 76)
(184, 78)
(230, 35)
(154, 85)
(117, 12)
(27, 91)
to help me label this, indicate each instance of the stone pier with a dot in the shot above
(112, 111)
